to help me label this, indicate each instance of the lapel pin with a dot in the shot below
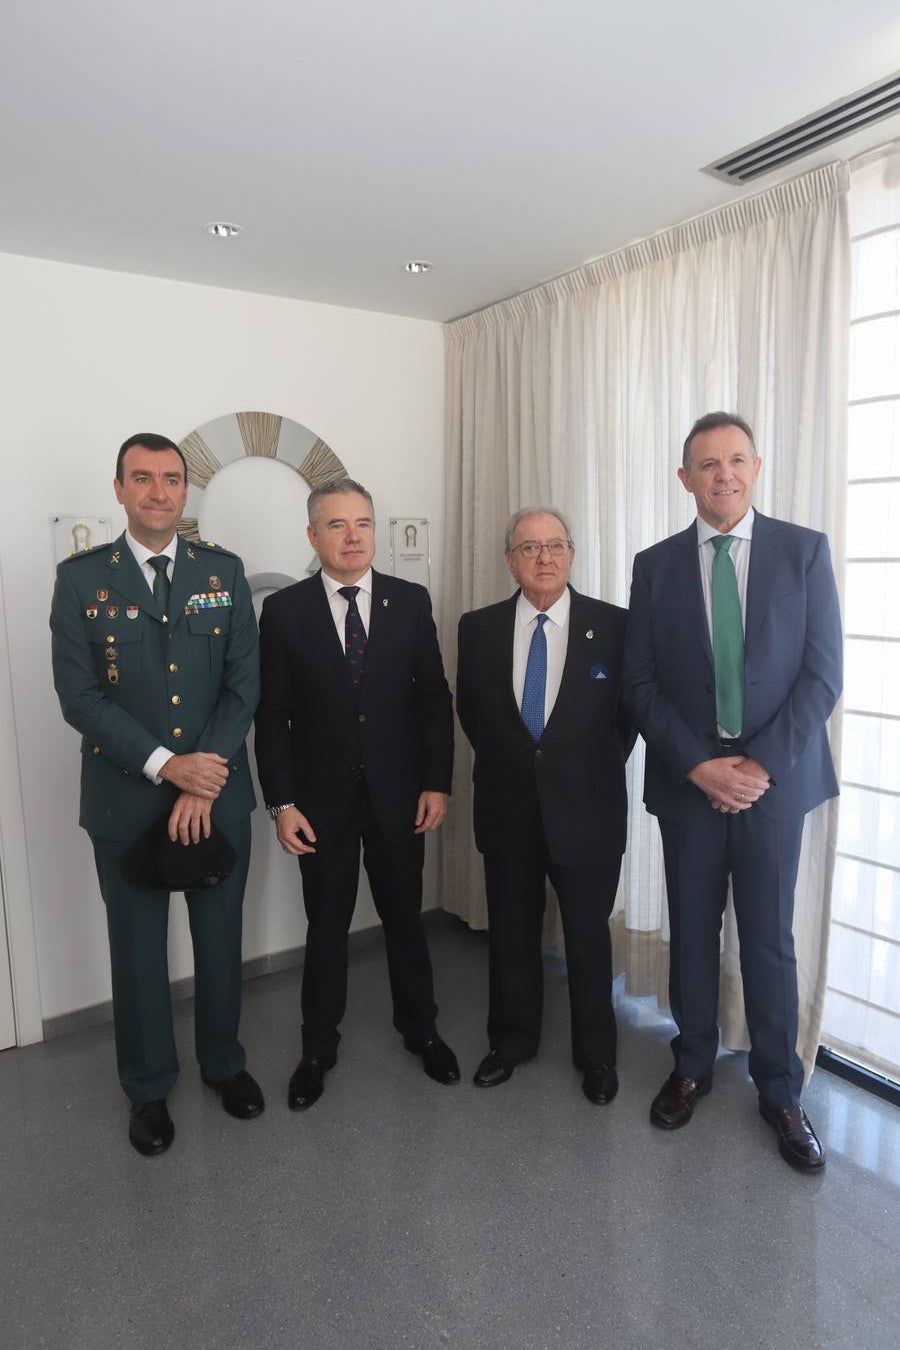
(112, 611)
(385, 603)
(91, 611)
(103, 594)
(215, 583)
(192, 555)
(589, 634)
(114, 560)
(131, 611)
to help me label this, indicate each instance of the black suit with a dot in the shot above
(354, 762)
(553, 808)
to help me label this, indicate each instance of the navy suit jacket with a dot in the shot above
(575, 775)
(792, 665)
(315, 733)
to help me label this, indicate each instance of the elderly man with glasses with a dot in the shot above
(538, 695)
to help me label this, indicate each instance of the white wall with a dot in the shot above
(88, 357)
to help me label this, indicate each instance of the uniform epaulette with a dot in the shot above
(213, 548)
(86, 552)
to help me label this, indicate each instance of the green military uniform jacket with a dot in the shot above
(130, 681)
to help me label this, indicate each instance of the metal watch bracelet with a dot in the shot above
(275, 811)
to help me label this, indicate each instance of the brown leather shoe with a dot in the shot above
(797, 1142)
(674, 1104)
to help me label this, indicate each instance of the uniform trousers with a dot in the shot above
(516, 886)
(393, 864)
(762, 856)
(137, 920)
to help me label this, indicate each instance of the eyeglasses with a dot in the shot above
(532, 549)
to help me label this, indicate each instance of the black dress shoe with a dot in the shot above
(307, 1084)
(600, 1085)
(438, 1059)
(493, 1070)
(241, 1095)
(797, 1142)
(150, 1129)
(674, 1104)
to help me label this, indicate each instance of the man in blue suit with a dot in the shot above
(732, 668)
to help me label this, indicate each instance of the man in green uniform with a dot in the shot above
(155, 662)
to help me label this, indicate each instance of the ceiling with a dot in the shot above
(505, 141)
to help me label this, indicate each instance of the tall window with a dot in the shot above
(862, 1007)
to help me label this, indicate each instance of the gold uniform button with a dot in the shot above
(172, 667)
(176, 699)
(176, 732)
(110, 637)
(165, 618)
(96, 750)
(217, 631)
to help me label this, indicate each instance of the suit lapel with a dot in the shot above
(127, 579)
(690, 587)
(760, 577)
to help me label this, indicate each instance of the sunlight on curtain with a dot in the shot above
(579, 393)
(862, 1006)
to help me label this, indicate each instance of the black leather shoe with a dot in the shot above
(438, 1059)
(307, 1084)
(797, 1142)
(150, 1129)
(493, 1070)
(600, 1085)
(674, 1104)
(241, 1095)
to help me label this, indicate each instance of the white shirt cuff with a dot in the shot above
(159, 757)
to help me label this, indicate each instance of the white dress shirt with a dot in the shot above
(556, 631)
(160, 755)
(340, 605)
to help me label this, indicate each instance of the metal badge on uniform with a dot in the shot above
(192, 555)
(215, 583)
(112, 674)
(91, 612)
(103, 594)
(131, 611)
(112, 611)
(115, 558)
(112, 653)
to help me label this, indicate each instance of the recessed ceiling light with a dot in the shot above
(222, 229)
(417, 267)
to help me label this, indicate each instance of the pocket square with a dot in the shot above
(599, 672)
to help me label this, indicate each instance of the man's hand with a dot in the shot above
(201, 773)
(430, 811)
(190, 817)
(732, 783)
(291, 826)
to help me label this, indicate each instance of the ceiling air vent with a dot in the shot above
(810, 133)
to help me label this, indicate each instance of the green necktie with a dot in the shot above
(728, 639)
(160, 581)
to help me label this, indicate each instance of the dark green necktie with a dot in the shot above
(160, 581)
(728, 639)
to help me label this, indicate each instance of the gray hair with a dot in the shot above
(343, 485)
(523, 514)
(710, 422)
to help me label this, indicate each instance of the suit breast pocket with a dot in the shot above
(208, 636)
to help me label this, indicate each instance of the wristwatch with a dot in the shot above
(275, 811)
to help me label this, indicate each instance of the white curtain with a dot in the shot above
(579, 394)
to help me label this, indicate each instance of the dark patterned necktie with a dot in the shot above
(534, 692)
(160, 582)
(354, 635)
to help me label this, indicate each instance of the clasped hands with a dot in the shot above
(201, 776)
(731, 783)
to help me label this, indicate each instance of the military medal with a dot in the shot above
(131, 611)
(103, 594)
(215, 583)
(112, 611)
(112, 653)
(91, 611)
(112, 674)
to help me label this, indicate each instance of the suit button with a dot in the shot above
(176, 699)
(362, 717)
(176, 732)
(538, 753)
(217, 631)
(172, 667)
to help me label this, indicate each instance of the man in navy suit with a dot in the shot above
(538, 695)
(354, 742)
(732, 668)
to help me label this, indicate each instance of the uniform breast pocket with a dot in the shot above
(209, 634)
(116, 648)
